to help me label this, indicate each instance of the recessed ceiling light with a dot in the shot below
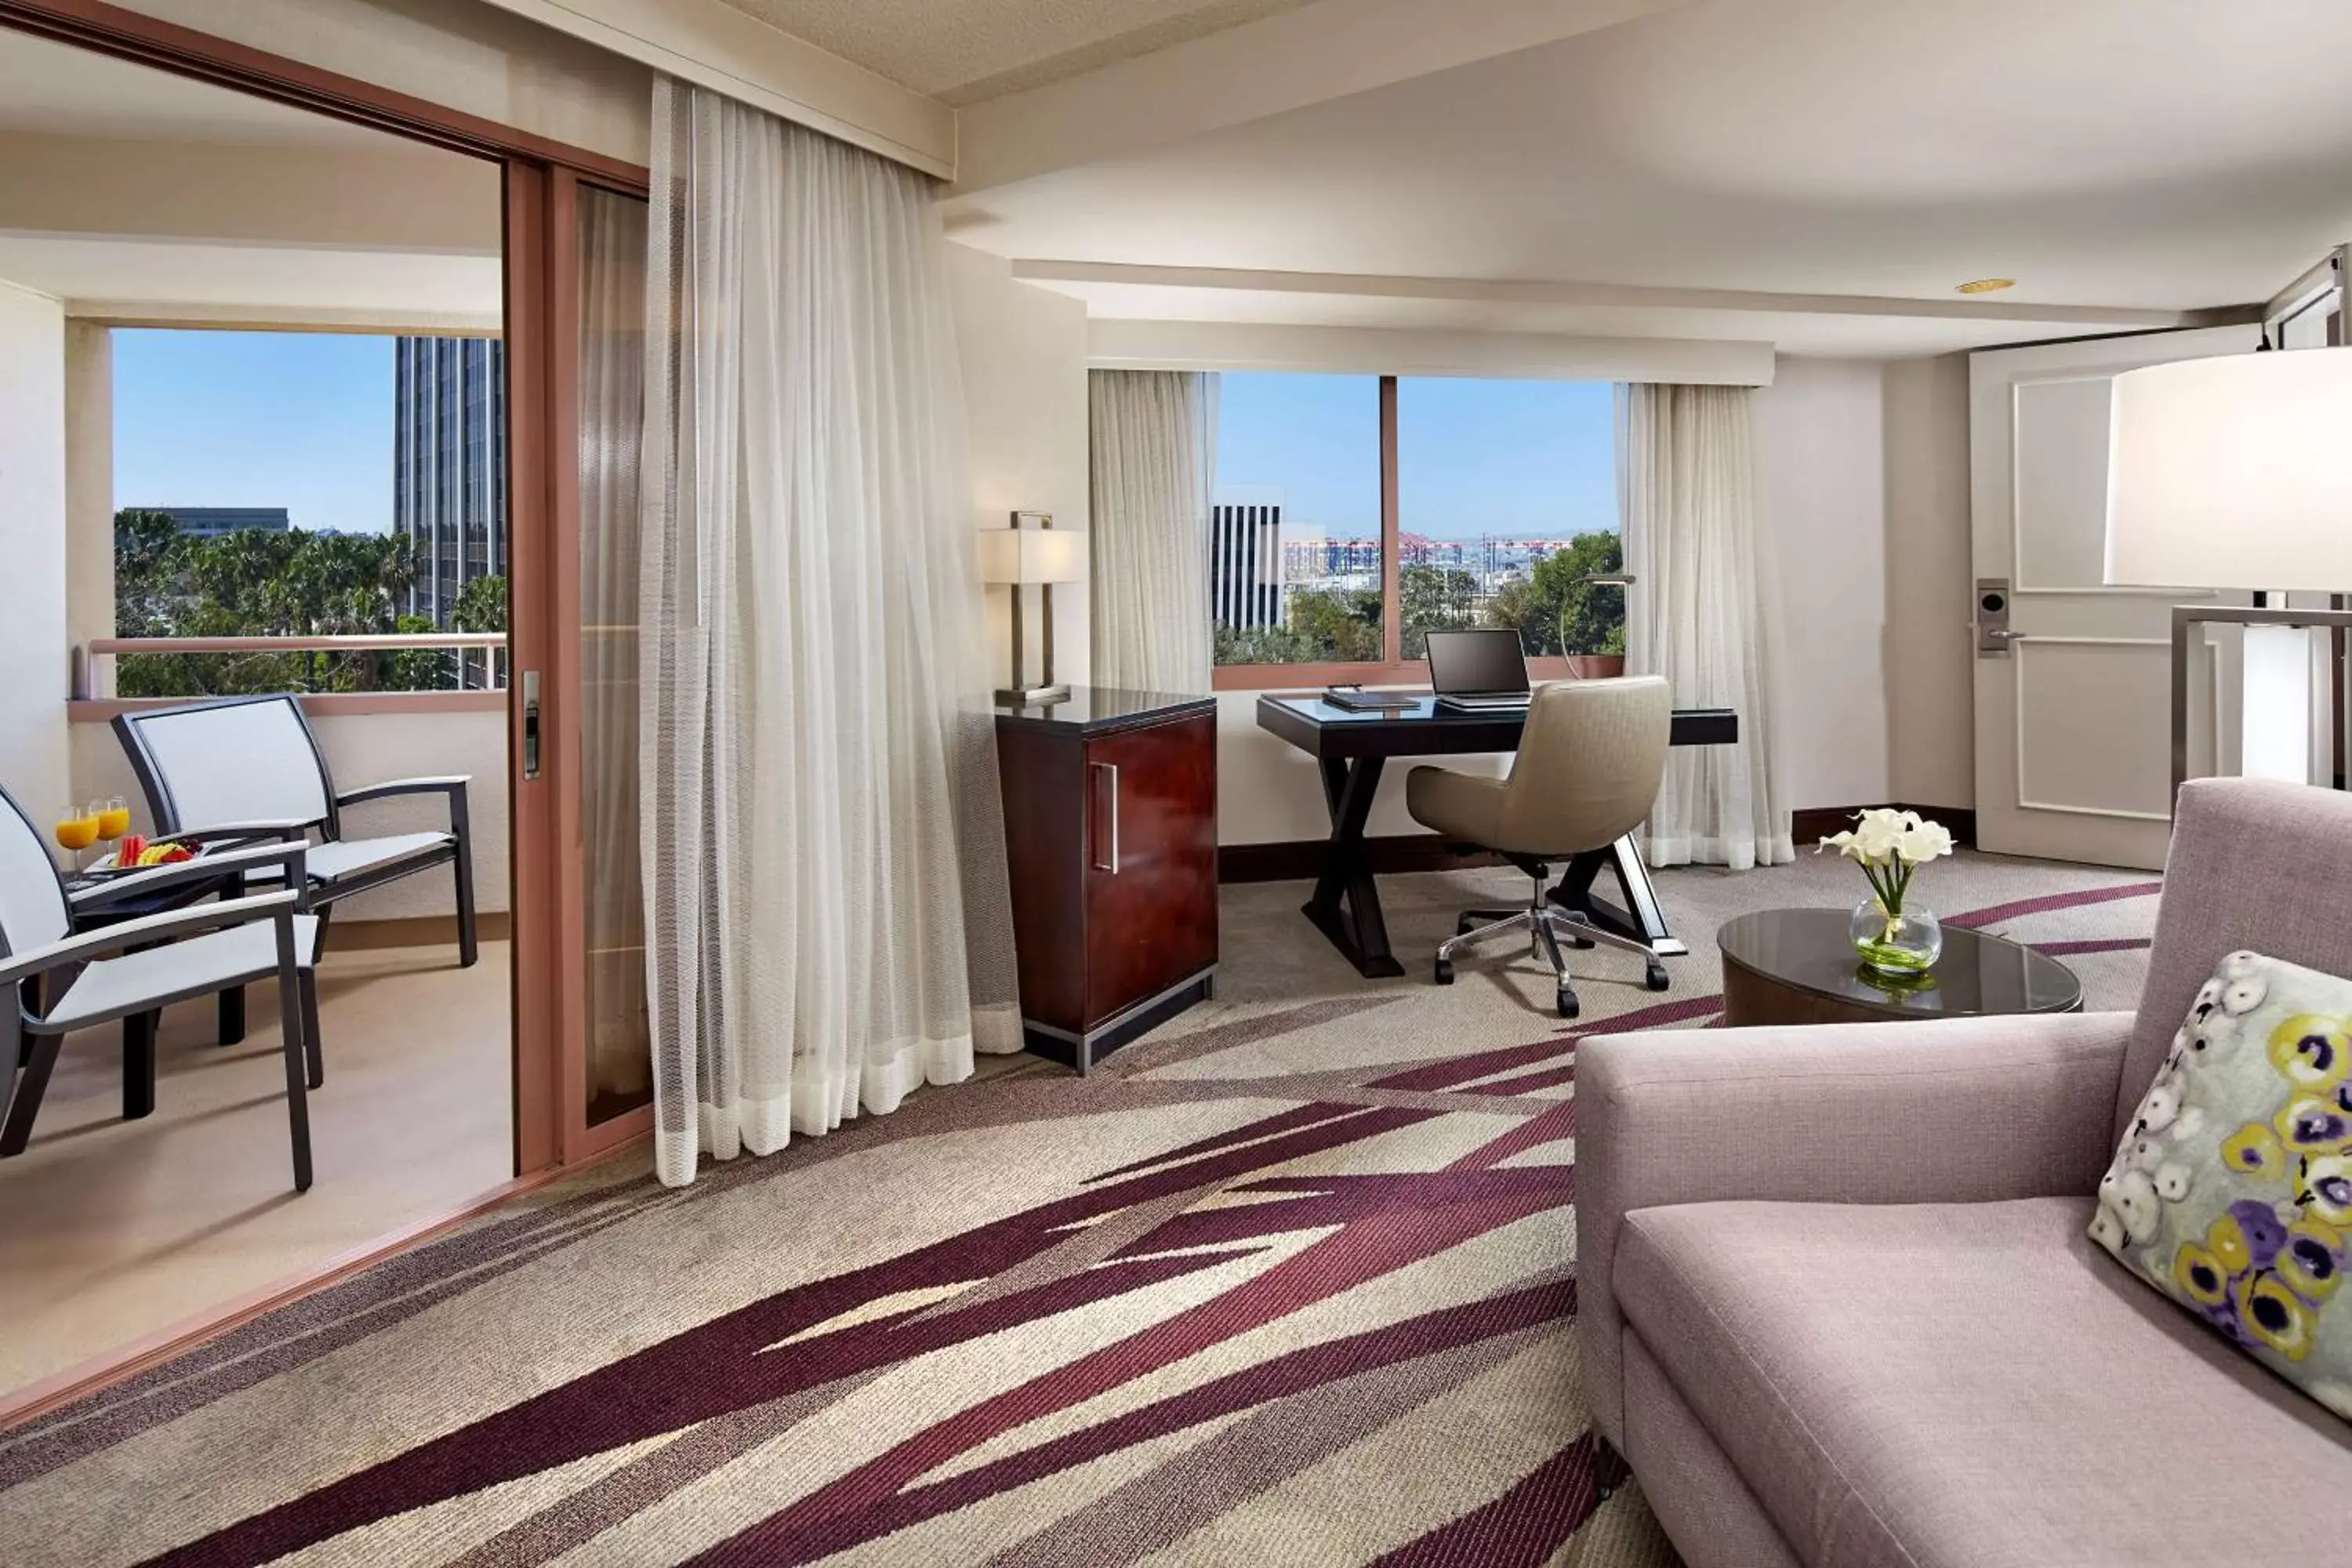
(1988, 285)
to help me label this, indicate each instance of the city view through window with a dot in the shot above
(307, 485)
(1505, 502)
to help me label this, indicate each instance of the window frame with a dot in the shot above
(1392, 668)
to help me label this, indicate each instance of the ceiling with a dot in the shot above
(174, 283)
(970, 50)
(133, 194)
(58, 90)
(2157, 157)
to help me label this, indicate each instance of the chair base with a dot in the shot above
(1547, 928)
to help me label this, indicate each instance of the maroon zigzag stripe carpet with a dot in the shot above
(1290, 1281)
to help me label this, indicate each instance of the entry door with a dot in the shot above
(2073, 704)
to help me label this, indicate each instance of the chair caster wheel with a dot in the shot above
(1655, 978)
(1569, 1007)
(1445, 972)
(1582, 943)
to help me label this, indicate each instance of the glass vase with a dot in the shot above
(1897, 941)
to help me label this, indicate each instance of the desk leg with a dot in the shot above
(1346, 907)
(1641, 918)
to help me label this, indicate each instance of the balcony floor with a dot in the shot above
(111, 1230)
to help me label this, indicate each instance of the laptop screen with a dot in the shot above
(1484, 662)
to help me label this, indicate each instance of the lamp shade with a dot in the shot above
(1031, 555)
(2232, 472)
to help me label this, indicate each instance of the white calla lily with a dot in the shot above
(1889, 845)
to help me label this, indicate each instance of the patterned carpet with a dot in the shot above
(1291, 1281)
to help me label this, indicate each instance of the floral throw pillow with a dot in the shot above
(2233, 1191)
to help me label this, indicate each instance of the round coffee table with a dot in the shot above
(1798, 966)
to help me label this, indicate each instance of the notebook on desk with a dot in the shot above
(1355, 699)
(1478, 671)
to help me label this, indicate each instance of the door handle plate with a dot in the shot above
(530, 723)
(1993, 636)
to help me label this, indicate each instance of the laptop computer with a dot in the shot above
(1481, 671)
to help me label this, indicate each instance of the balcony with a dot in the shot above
(122, 1227)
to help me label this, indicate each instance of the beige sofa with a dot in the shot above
(1837, 1304)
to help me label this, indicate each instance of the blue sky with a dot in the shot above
(1517, 458)
(301, 420)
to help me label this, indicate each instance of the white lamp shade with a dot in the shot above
(2232, 472)
(1031, 555)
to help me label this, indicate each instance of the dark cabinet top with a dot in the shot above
(1093, 709)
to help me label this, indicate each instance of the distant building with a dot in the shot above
(1246, 564)
(205, 522)
(449, 464)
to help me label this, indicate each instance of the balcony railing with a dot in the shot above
(334, 679)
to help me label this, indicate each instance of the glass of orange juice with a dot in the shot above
(77, 830)
(114, 818)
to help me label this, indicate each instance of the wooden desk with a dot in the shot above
(1352, 748)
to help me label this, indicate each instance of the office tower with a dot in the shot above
(449, 464)
(1245, 563)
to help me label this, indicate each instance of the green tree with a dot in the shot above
(265, 583)
(1554, 613)
(482, 607)
(1338, 625)
(1434, 598)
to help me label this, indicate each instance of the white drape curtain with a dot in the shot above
(1154, 465)
(824, 844)
(1686, 495)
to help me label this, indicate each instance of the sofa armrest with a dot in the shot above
(1955, 1110)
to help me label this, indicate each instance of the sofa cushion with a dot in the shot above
(1973, 1382)
(2233, 1191)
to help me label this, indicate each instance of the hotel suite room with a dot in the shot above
(1073, 810)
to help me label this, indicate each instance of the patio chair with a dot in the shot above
(127, 970)
(252, 765)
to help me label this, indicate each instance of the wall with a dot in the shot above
(364, 749)
(1930, 649)
(33, 763)
(1821, 494)
(397, 195)
(1023, 356)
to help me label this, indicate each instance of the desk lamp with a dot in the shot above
(1021, 556)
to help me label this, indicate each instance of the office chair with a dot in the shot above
(1587, 773)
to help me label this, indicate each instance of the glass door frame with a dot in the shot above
(562, 622)
(542, 177)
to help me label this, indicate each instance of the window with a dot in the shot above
(1295, 568)
(297, 485)
(1353, 515)
(1507, 498)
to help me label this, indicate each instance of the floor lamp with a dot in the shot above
(2234, 472)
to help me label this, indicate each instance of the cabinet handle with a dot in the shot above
(1111, 866)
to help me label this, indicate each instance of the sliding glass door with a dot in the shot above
(615, 1066)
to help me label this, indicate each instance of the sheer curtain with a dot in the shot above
(1154, 465)
(824, 868)
(1686, 493)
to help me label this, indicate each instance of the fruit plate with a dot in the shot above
(104, 865)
